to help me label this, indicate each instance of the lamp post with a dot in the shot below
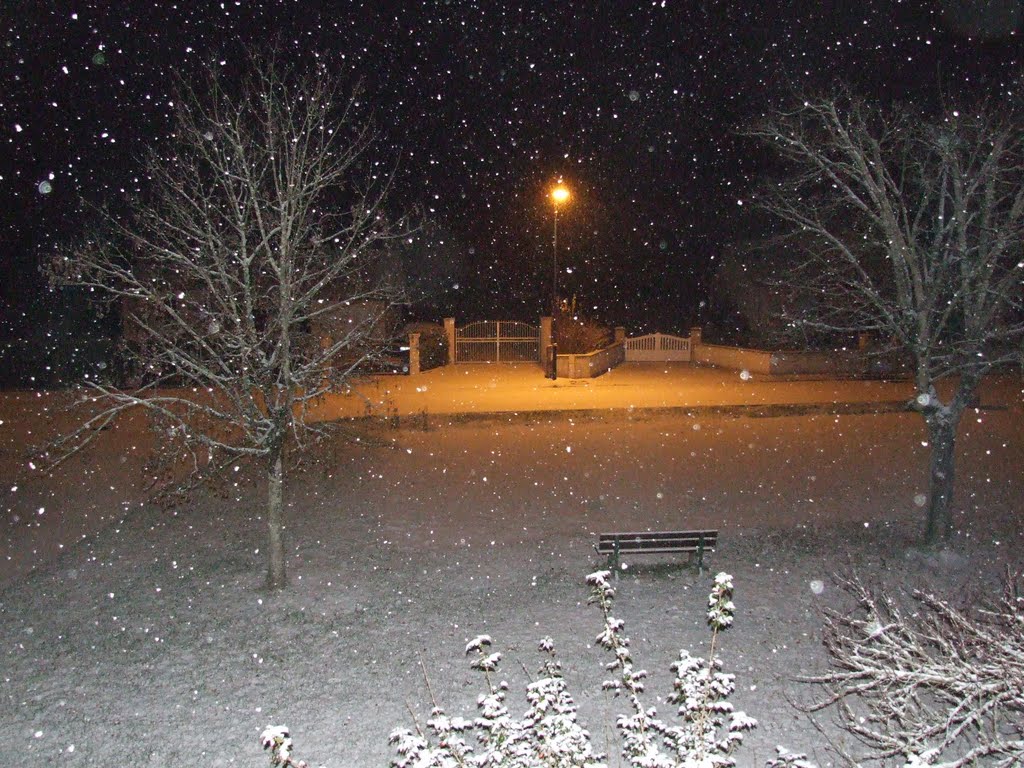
(559, 196)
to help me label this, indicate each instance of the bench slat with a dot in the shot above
(655, 534)
(650, 546)
(673, 539)
(634, 541)
(652, 550)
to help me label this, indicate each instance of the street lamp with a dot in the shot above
(559, 196)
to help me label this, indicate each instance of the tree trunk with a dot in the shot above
(276, 575)
(942, 427)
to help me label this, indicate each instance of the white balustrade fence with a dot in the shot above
(657, 347)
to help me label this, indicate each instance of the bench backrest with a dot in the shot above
(658, 541)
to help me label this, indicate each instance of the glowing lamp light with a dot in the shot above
(560, 194)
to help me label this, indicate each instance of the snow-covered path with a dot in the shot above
(522, 388)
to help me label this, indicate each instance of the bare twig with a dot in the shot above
(940, 683)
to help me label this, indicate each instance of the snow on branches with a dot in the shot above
(935, 686)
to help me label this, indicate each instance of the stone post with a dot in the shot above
(449, 331)
(544, 351)
(695, 337)
(620, 334)
(414, 354)
(545, 340)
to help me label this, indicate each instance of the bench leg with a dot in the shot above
(613, 560)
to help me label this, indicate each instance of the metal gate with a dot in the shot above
(497, 341)
(657, 347)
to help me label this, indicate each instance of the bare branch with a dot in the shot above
(940, 684)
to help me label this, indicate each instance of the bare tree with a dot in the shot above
(917, 226)
(931, 685)
(251, 275)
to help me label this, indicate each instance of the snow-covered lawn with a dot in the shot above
(150, 642)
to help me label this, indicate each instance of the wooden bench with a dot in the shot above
(652, 542)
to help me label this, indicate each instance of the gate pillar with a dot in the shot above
(545, 339)
(449, 331)
(414, 354)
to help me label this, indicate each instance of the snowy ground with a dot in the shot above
(150, 643)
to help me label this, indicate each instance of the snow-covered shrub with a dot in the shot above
(704, 734)
(548, 734)
(933, 686)
(709, 729)
(786, 759)
(277, 739)
(578, 334)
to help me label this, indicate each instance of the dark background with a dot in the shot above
(485, 104)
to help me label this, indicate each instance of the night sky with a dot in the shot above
(635, 104)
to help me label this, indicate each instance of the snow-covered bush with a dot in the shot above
(708, 730)
(931, 686)
(786, 759)
(578, 334)
(705, 733)
(548, 734)
(278, 740)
